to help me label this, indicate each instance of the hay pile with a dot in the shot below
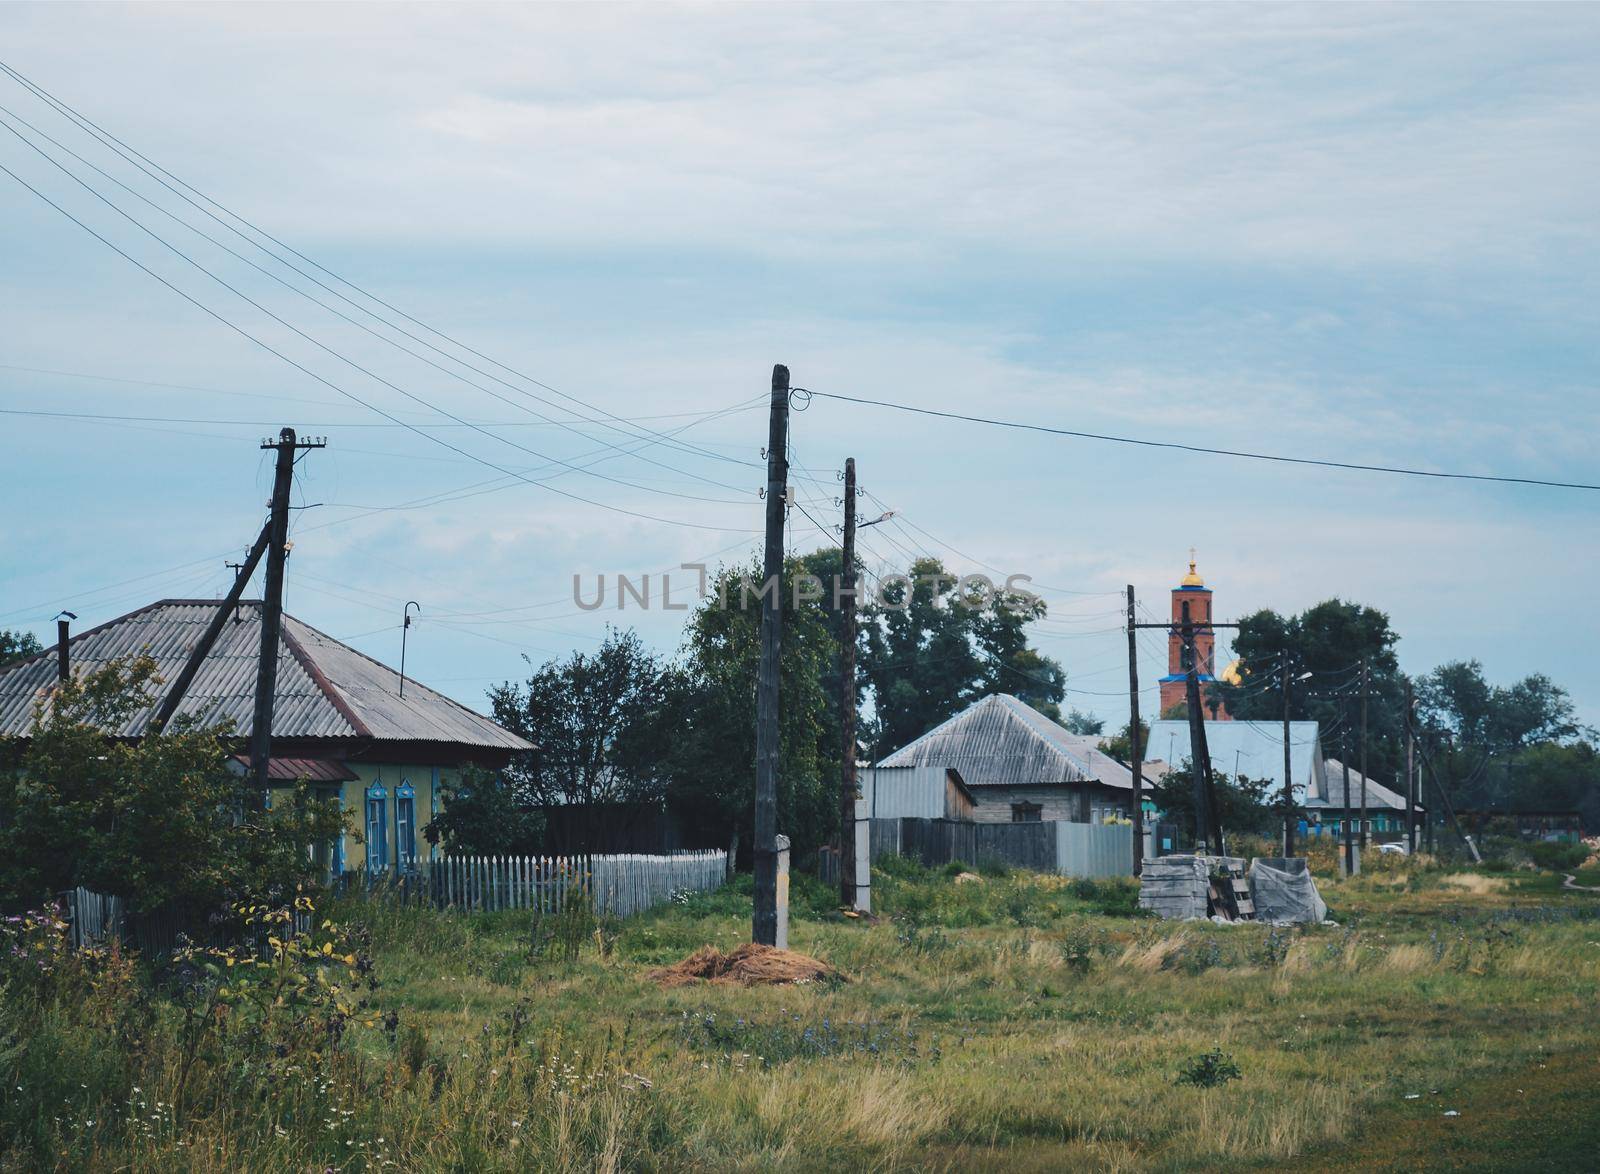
(750, 965)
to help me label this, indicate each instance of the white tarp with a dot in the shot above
(1284, 892)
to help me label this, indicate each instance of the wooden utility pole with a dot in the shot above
(1349, 841)
(1288, 768)
(1135, 751)
(764, 925)
(198, 654)
(1411, 777)
(1366, 679)
(1444, 801)
(272, 608)
(1208, 827)
(847, 695)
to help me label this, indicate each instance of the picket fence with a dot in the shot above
(619, 885)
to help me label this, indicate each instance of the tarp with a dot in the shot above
(1284, 892)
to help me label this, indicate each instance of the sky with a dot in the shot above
(1360, 233)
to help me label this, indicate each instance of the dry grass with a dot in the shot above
(1004, 1025)
(1475, 883)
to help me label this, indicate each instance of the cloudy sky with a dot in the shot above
(1361, 233)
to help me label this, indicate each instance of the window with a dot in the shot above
(1026, 813)
(377, 827)
(405, 825)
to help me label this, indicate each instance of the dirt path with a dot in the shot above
(1572, 883)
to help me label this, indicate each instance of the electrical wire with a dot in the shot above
(1197, 448)
(144, 164)
(335, 387)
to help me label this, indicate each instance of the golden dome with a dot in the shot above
(1192, 579)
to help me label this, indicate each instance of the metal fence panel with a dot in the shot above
(1095, 850)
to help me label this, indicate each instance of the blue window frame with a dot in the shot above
(405, 825)
(377, 827)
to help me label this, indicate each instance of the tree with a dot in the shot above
(482, 816)
(1120, 745)
(932, 649)
(1078, 722)
(595, 724)
(1245, 805)
(1503, 743)
(710, 715)
(157, 820)
(1456, 697)
(1329, 641)
(16, 647)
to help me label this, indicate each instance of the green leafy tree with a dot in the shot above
(16, 647)
(1456, 697)
(1246, 805)
(1120, 747)
(932, 650)
(1078, 722)
(1329, 641)
(481, 815)
(710, 715)
(595, 722)
(1495, 746)
(158, 820)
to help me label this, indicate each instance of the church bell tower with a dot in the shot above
(1193, 592)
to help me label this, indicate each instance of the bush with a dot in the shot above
(1209, 1069)
(1560, 857)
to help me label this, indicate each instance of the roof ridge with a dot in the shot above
(320, 679)
(410, 680)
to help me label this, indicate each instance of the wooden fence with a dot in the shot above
(97, 918)
(620, 885)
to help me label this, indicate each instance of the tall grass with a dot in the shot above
(1011, 1021)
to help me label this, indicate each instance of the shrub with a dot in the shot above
(1560, 857)
(1209, 1069)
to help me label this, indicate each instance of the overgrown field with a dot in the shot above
(1006, 1020)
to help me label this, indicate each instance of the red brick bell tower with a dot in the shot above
(1192, 590)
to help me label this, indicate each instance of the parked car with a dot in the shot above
(1395, 848)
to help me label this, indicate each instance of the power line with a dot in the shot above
(144, 164)
(334, 386)
(565, 425)
(1197, 448)
(335, 353)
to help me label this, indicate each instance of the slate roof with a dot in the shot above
(325, 689)
(1002, 741)
(1378, 795)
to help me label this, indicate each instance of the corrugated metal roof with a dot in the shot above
(313, 770)
(1002, 741)
(324, 689)
(1378, 795)
(1249, 748)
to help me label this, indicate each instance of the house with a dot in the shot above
(1326, 811)
(339, 721)
(1000, 761)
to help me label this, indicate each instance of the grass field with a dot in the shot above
(1029, 1022)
